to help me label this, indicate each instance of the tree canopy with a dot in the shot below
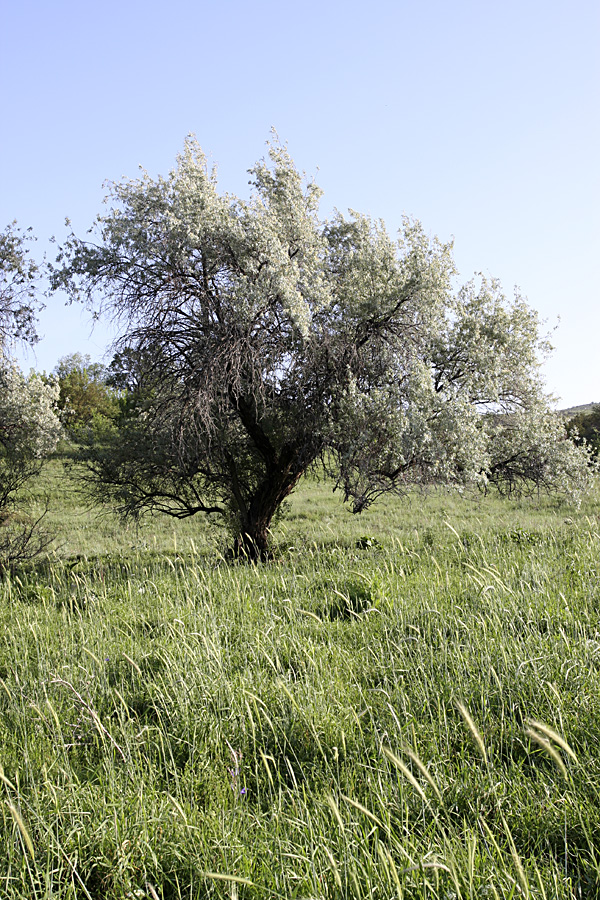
(261, 339)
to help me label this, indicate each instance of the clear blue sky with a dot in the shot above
(480, 119)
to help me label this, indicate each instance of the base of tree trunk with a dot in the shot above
(252, 548)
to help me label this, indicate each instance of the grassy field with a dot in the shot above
(400, 705)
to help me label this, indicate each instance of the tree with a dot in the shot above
(29, 427)
(585, 428)
(530, 450)
(29, 431)
(264, 340)
(127, 371)
(84, 391)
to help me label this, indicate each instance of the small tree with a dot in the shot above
(29, 431)
(84, 391)
(29, 428)
(264, 339)
(530, 450)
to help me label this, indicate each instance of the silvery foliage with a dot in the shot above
(29, 427)
(277, 339)
(529, 450)
(18, 282)
(29, 431)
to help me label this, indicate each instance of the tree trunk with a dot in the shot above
(252, 543)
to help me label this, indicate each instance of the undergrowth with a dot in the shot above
(399, 706)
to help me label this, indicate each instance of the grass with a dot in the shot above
(400, 705)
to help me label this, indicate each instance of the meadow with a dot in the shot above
(403, 704)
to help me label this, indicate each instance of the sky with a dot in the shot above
(480, 119)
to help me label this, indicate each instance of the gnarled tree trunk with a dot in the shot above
(253, 540)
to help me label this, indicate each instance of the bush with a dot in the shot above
(29, 431)
(585, 427)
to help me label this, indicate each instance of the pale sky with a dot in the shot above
(480, 119)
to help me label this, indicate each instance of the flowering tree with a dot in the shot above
(29, 427)
(267, 339)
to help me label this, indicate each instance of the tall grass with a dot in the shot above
(403, 705)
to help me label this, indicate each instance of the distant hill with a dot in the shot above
(577, 410)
